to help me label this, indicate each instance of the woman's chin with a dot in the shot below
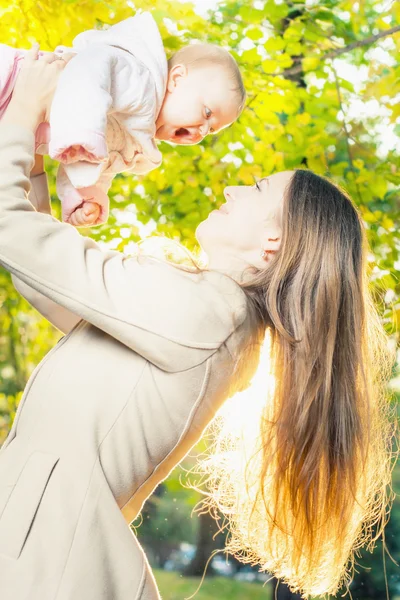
(211, 220)
(203, 232)
(199, 230)
(207, 232)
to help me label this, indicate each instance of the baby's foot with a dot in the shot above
(85, 215)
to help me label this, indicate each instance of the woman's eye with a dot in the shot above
(257, 186)
(208, 112)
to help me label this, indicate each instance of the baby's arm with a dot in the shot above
(81, 102)
(60, 317)
(85, 206)
(99, 79)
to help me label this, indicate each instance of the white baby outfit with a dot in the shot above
(103, 115)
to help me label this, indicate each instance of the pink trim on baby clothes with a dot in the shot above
(10, 60)
(10, 66)
(72, 146)
(42, 139)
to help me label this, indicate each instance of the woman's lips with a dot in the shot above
(224, 208)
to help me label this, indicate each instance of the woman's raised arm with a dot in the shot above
(60, 317)
(173, 319)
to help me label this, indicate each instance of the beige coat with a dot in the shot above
(112, 408)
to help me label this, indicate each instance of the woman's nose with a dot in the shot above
(228, 193)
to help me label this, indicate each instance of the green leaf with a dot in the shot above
(275, 44)
(254, 33)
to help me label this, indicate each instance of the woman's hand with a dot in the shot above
(34, 89)
(38, 167)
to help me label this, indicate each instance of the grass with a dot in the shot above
(173, 586)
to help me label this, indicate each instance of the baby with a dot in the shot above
(115, 97)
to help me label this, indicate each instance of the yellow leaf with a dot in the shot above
(269, 66)
(303, 119)
(248, 173)
(310, 63)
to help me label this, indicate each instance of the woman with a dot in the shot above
(151, 352)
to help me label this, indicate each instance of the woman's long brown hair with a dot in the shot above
(316, 486)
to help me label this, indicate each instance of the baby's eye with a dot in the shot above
(208, 112)
(256, 185)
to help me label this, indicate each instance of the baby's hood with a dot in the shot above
(140, 36)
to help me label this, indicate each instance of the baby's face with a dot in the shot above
(197, 102)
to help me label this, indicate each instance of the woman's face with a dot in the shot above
(249, 222)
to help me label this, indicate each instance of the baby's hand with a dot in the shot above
(86, 215)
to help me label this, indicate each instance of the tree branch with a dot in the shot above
(338, 51)
(347, 135)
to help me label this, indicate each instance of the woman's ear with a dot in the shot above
(272, 245)
(271, 242)
(269, 246)
(175, 74)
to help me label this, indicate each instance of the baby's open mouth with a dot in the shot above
(181, 132)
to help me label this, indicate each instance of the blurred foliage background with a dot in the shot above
(323, 82)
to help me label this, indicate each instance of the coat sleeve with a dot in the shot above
(60, 317)
(174, 319)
